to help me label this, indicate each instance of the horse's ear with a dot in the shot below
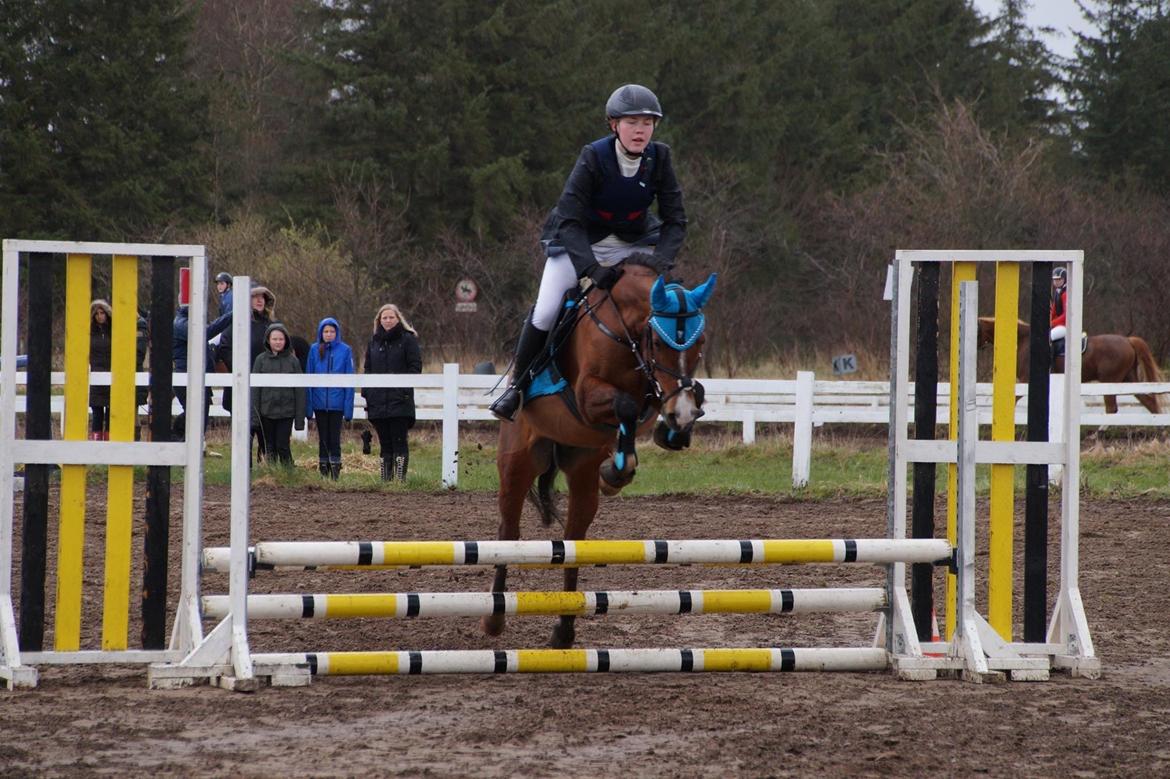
(702, 293)
(658, 298)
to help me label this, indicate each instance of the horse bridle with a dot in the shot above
(650, 366)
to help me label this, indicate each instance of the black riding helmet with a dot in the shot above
(632, 100)
(1060, 272)
(224, 277)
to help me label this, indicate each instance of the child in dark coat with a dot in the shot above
(276, 410)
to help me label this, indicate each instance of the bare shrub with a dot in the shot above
(310, 276)
(959, 186)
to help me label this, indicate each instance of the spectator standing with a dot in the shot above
(276, 410)
(223, 287)
(393, 348)
(330, 405)
(100, 326)
(263, 304)
(179, 359)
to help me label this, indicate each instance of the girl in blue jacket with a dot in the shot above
(330, 405)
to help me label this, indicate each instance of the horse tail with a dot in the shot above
(1147, 368)
(542, 497)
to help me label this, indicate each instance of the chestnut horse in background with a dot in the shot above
(1106, 358)
(631, 356)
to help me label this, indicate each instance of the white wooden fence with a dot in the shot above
(806, 403)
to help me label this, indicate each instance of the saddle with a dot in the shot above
(547, 376)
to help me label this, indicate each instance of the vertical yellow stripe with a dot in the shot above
(1003, 428)
(799, 551)
(534, 661)
(361, 605)
(418, 553)
(609, 552)
(71, 530)
(737, 660)
(960, 272)
(361, 663)
(550, 603)
(120, 483)
(737, 601)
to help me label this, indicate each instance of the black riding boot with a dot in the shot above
(400, 463)
(387, 468)
(528, 348)
(334, 471)
(323, 467)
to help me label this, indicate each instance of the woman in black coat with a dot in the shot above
(392, 349)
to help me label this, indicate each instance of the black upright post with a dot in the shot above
(925, 411)
(158, 477)
(38, 426)
(1036, 495)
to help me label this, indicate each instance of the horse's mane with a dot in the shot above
(642, 260)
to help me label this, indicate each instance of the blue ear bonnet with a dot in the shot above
(676, 313)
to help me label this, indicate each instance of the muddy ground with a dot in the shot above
(104, 721)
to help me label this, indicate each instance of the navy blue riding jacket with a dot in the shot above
(598, 201)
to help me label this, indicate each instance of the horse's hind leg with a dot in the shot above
(517, 468)
(583, 501)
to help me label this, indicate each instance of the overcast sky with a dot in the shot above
(1060, 14)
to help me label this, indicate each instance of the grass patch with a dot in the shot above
(842, 466)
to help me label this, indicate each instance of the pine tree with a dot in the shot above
(1120, 89)
(102, 127)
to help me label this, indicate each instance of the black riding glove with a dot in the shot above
(603, 277)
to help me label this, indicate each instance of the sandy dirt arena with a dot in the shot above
(92, 721)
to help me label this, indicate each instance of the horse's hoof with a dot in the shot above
(492, 626)
(562, 639)
(670, 439)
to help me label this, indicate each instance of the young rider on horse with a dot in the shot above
(601, 218)
(1058, 310)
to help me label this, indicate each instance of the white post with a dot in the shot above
(241, 468)
(967, 642)
(1056, 420)
(802, 430)
(450, 425)
(187, 631)
(749, 426)
(11, 669)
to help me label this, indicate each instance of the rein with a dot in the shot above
(640, 348)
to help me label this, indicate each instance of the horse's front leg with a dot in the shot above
(605, 403)
(583, 499)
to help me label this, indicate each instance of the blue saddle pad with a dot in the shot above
(547, 382)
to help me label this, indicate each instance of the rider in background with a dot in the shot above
(601, 218)
(1058, 310)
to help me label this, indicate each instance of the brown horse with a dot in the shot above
(1106, 358)
(631, 356)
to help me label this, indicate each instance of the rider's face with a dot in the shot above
(1058, 282)
(634, 132)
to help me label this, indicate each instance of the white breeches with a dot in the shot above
(560, 276)
(1057, 333)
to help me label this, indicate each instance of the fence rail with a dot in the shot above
(805, 402)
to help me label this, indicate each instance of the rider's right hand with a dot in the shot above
(603, 277)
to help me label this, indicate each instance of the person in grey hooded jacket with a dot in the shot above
(277, 410)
